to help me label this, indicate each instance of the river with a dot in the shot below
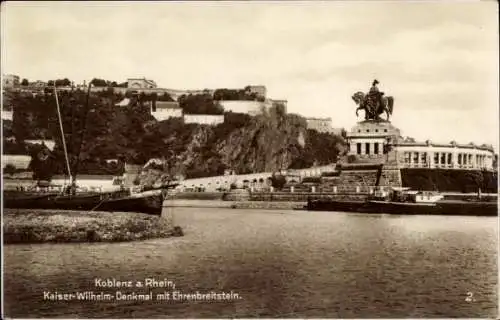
(280, 263)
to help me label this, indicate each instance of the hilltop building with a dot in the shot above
(7, 115)
(259, 90)
(163, 110)
(10, 81)
(141, 83)
(208, 119)
(323, 125)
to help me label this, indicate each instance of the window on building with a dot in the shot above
(415, 157)
(449, 158)
(423, 158)
(385, 130)
(367, 145)
(375, 148)
(367, 130)
(358, 148)
(459, 159)
(407, 157)
(436, 158)
(376, 130)
(443, 158)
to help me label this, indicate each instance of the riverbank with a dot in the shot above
(39, 226)
(266, 205)
(269, 205)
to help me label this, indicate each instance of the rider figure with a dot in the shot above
(376, 97)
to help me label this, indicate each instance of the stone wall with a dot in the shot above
(390, 177)
(304, 196)
(350, 181)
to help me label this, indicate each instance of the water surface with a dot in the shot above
(281, 263)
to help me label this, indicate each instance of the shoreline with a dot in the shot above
(222, 204)
(26, 226)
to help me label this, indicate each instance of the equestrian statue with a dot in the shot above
(374, 103)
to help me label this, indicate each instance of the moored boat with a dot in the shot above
(70, 199)
(405, 202)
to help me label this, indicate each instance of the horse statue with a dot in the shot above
(373, 104)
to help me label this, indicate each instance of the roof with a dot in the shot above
(125, 102)
(322, 119)
(167, 105)
(143, 79)
(85, 177)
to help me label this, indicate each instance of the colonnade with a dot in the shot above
(435, 159)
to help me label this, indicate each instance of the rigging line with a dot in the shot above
(62, 134)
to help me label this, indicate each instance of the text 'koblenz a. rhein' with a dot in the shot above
(147, 282)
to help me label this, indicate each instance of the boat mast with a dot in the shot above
(62, 136)
(86, 112)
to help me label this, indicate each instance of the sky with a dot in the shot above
(439, 60)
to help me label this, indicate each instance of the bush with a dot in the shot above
(351, 158)
(278, 181)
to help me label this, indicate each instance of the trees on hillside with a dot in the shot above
(59, 83)
(199, 104)
(133, 135)
(234, 94)
(99, 82)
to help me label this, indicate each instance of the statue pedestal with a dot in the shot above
(368, 140)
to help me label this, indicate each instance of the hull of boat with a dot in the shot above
(440, 208)
(468, 208)
(150, 204)
(78, 202)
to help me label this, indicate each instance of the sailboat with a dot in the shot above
(149, 202)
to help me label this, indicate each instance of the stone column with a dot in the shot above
(455, 159)
(430, 159)
(313, 189)
(292, 189)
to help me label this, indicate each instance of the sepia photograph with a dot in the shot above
(249, 159)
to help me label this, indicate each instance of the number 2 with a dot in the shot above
(469, 297)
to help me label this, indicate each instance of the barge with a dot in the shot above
(406, 202)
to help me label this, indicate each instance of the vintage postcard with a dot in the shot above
(250, 159)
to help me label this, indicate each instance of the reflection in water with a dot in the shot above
(282, 263)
